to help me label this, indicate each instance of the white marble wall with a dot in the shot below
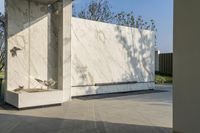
(106, 53)
(43, 40)
(65, 73)
(39, 44)
(100, 53)
(29, 29)
(18, 31)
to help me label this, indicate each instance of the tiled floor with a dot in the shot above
(144, 112)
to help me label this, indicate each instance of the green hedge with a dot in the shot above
(163, 79)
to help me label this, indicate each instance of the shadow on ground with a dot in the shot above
(29, 124)
(121, 94)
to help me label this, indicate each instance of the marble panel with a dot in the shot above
(92, 90)
(65, 73)
(18, 44)
(107, 53)
(39, 45)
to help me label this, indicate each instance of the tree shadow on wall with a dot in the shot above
(138, 62)
(35, 30)
(137, 44)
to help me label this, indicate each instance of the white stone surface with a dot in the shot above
(100, 53)
(17, 67)
(25, 99)
(43, 38)
(39, 45)
(92, 90)
(106, 53)
(27, 30)
(66, 50)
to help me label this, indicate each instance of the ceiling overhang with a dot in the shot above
(45, 1)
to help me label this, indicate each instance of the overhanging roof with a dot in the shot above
(45, 1)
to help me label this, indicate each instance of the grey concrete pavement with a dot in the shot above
(141, 112)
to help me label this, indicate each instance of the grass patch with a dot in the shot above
(1, 74)
(1, 84)
(163, 79)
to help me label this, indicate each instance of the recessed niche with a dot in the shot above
(34, 53)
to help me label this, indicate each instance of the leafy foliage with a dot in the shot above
(2, 42)
(163, 79)
(100, 10)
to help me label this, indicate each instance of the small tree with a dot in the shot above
(100, 10)
(97, 10)
(153, 28)
(2, 42)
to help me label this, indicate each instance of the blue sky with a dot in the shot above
(1, 5)
(159, 10)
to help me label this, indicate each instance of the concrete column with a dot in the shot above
(66, 71)
(186, 66)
